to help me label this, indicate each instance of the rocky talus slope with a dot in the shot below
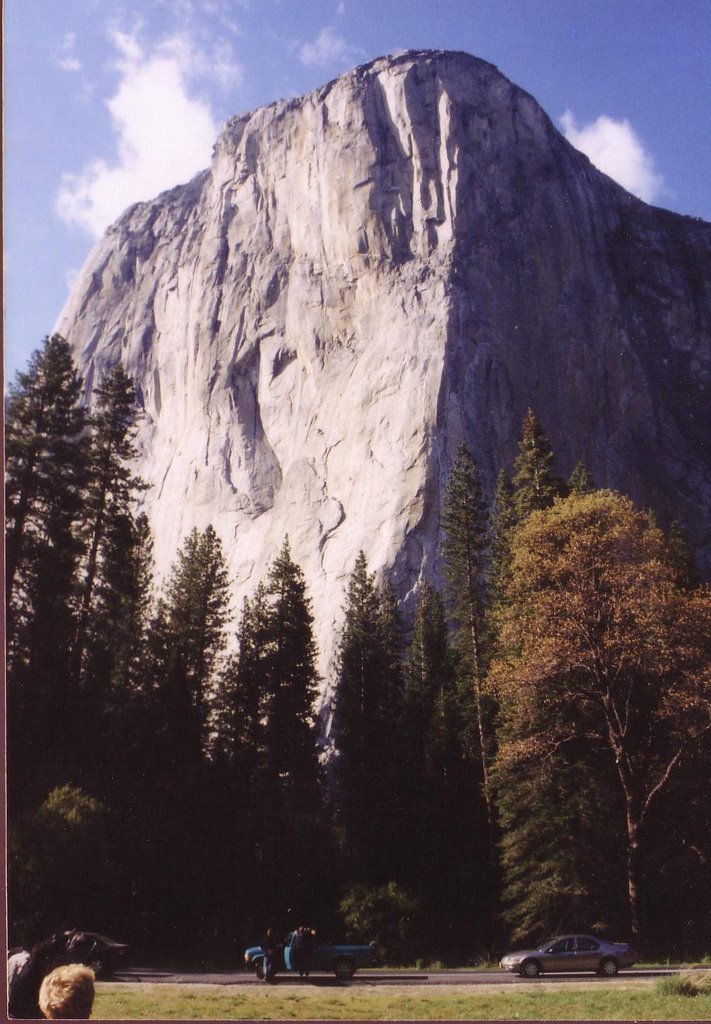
(406, 258)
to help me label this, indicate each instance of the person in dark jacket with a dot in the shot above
(24, 984)
(272, 955)
(308, 940)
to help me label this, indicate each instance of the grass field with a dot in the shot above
(618, 1000)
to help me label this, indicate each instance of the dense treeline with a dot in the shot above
(530, 754)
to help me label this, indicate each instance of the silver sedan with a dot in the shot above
(571, 953)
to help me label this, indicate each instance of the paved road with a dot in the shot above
(145, 974)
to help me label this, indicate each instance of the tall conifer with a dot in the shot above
(502, 522)
(534, 480)
(45, 464)
(429, 739)
(580, 481)
(110, 491)
(271, 696)
(197, 606)
(363, 729)
(463, 549)
(45, 457)
(290, 677)
(438, 778)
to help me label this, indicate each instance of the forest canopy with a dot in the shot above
(523, 750)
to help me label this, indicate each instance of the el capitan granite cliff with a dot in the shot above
(406, 258)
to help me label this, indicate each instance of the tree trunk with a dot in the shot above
(88, 592)
(633, 868)
(488, 801)
(634, 820)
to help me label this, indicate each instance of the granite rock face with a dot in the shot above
(407, 258)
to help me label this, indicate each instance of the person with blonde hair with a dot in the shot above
(67, 993)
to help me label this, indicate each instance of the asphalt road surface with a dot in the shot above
(366, 977)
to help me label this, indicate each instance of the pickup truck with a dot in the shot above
(344, 961)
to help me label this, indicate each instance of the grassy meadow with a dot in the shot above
(618, 1000)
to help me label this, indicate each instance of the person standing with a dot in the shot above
(297, 950)
(309, 942)
(271, 956)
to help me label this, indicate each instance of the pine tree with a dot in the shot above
(45, 451)
(123, 601)
(110, 491)
(502, 523)
(428, 737)
(239, 734)
(118, 708)
(251, 804)
(363, 726)
(393, 751)
(181, 804)
(44, 445)
(580, 481)
(438, 778)
(535, 483)
(197, 607)
(356, 702)
(268, 708)
(391, 638)
(291, 678)
(463, 550)
(560, 841)
(45, 460)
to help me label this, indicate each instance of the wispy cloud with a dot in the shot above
(327, 49)
(164, 131)
(66, 57)
(616, 149)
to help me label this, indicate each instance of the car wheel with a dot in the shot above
(530, 969)
(344, 969)
(608, 968)
(259, 969)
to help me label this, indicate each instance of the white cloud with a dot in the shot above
(217, 63)
(69, 64)
(66, 58)
(164, 133)
(616, 149)
(328, 48)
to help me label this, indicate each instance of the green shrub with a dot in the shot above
(60, 866)
(386, 915)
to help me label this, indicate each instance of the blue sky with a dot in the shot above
(112, 101)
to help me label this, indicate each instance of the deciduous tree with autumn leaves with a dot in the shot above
(601, 647)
